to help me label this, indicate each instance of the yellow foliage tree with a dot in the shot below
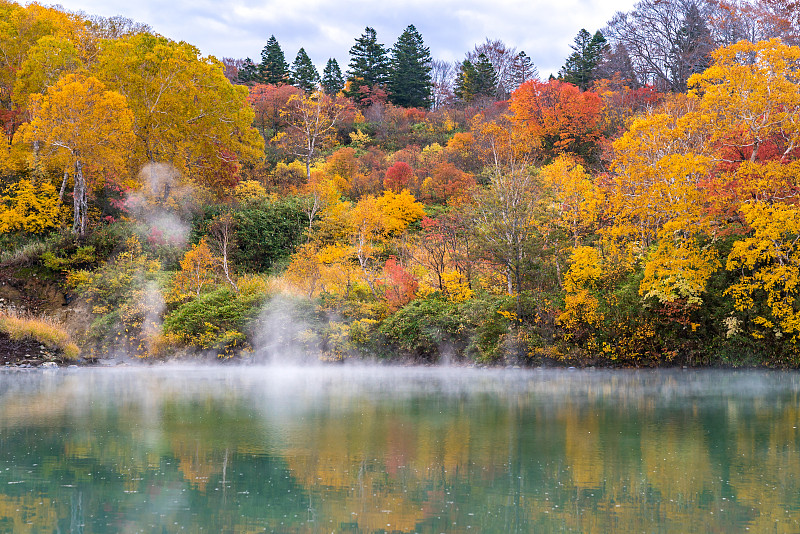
(198, 269)
(581, 306)
(749, 105)
(30, 207)
(83, 128)
(578, 199)
(769, 263)
(185, 111)
(659, 163)
(678, 270)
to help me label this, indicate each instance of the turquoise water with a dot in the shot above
(348, 449)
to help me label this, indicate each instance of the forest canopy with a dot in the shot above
(639, 208)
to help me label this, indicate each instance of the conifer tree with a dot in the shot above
(332, 79)
(249, 72)
(580, 66)
(410, 78)
(369, 64)
(523, 70)
(304, 73)
(475, 80)
(486, 81)
(465, 82)
(690, 52)
(273, 68)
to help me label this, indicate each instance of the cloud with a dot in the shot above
(240, 28)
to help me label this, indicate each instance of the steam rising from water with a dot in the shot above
(163, 203)
(154, 306)
(282, 336)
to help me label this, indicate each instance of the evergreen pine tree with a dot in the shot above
(579, 69)
(369, 64)
(332, 79)
(475, 80)
(690, 53)
(304, 73)
(410, 83)
(248, 72)
(485, 77)
(523, 70)
(273, 68)
(465, 82)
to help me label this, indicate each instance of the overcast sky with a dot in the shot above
(544, 29)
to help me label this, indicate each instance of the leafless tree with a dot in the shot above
(231, 67)
(442, 76)
(665, 40)
(503, 58)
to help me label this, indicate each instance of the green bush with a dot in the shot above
(424, 327)
(216, 320)
(268, 232)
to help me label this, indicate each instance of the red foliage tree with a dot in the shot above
(561, 118)
(448, 181)
(267, 101)
(398, 285)
(398, 177)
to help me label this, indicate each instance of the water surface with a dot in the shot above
(342, 449)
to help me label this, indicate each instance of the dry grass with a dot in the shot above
(44, 330)
(25, 253)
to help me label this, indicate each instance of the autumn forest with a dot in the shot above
(641, 207)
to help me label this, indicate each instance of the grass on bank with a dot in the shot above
(43, 330)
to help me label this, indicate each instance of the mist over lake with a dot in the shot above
(397, 449)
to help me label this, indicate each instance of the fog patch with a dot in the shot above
(163, 204)
(284, 334)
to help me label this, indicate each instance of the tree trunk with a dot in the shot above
(63, 187)
(79, 201)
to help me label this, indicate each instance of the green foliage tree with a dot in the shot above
(267, 232)
(369, 65)
(332, 78)
(410, 79)
(273, 67)
(580, 66)
(304, 73)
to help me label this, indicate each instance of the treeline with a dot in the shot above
(627, 211)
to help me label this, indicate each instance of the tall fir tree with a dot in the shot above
(273, 67)
(332, 79)
(304, 73)
(523, 70)
(476, 80)
(691, 52)
(580, 67)
(410, 82)
(249, 72)
(369, 65)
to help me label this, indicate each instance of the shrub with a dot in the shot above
(125, 296)
(268, 232)
(425, 327)
(217, 320)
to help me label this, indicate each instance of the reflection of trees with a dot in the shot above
(606, 459)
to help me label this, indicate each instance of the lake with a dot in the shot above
(398, 449)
